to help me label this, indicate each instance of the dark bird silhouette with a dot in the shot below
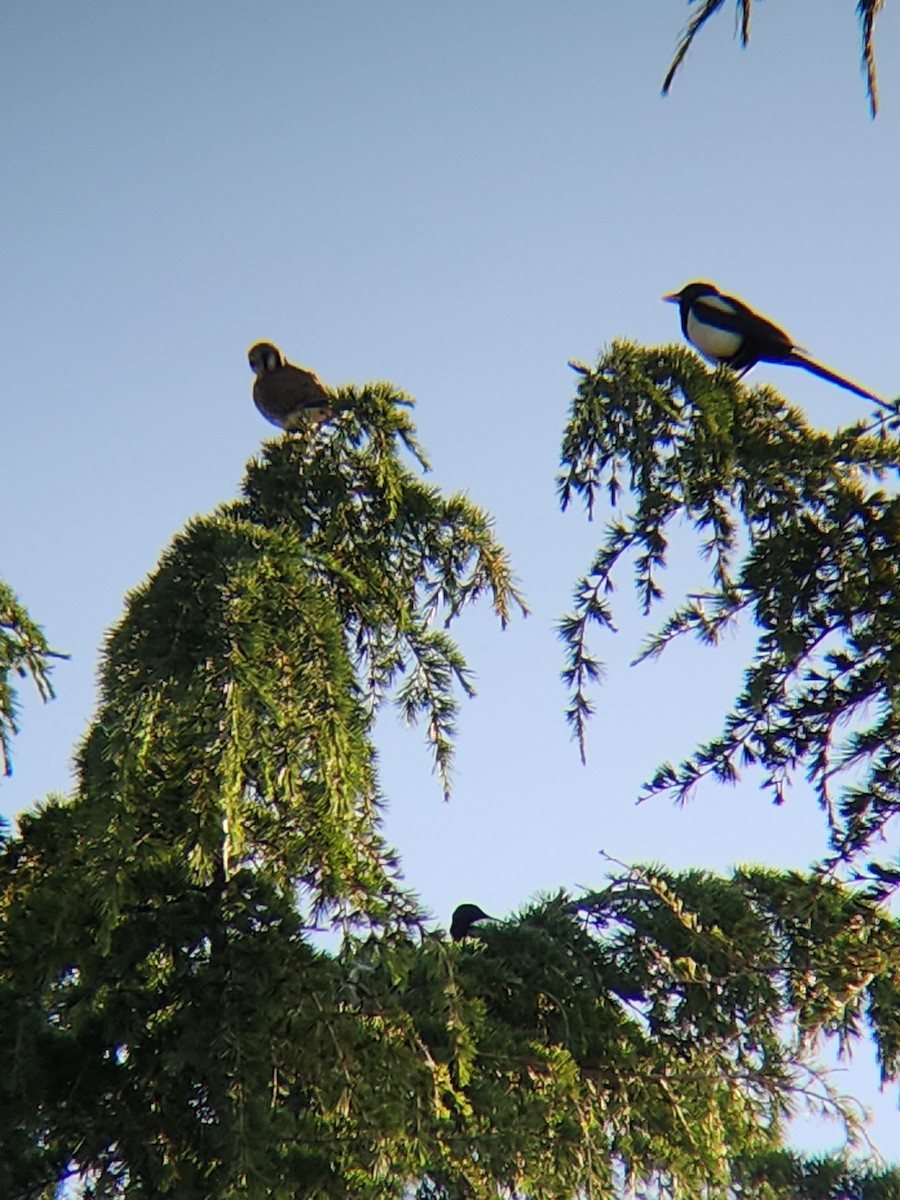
(464, 917)
(725, 330)
(288, 396)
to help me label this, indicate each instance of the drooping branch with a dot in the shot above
(24, 651)
(800, 538)
(867, 11)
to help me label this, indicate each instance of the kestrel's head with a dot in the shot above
(265, 357)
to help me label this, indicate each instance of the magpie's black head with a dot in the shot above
(691, 292)
(464, 917)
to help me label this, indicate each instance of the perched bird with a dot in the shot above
(288, 396)
(464, 917)
(725, 330)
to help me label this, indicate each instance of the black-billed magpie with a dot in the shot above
(464, 917)
(725, 330)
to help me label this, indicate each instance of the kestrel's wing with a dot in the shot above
(292, 397)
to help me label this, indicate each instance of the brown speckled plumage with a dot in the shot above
(288, 396)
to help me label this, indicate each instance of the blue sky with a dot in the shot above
(457, 198)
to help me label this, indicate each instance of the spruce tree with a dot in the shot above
(175, 1026)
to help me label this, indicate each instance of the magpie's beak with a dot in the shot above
(675, 298)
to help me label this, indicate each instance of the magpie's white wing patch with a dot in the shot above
(713, 343)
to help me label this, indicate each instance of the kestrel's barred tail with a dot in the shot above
(290, 397)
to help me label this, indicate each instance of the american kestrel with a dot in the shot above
(288, 396)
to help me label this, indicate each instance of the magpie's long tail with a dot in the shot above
(796, 359)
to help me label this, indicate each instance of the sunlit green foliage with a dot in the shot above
(800, 533)
(24, 651)
(659, 1030)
